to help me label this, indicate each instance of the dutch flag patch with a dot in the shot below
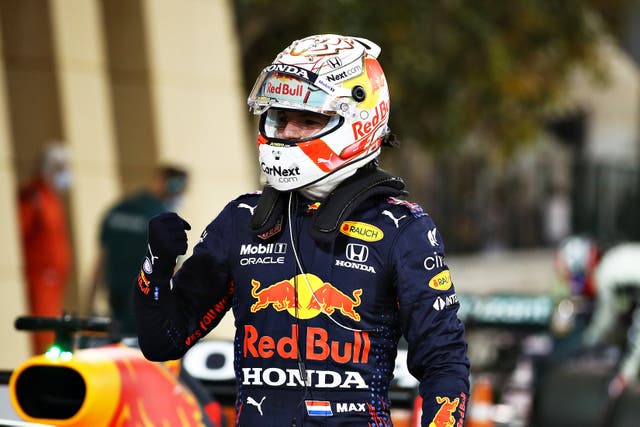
(318, 408)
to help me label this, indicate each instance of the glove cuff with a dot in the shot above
(155, 272)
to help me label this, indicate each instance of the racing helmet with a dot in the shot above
(328, 74)
(575, 262)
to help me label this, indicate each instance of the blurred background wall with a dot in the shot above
(126, 85)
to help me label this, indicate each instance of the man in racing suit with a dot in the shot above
(324, 269)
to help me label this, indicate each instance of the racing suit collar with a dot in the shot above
(369, 181)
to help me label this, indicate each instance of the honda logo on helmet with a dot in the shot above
(334, 62)
(357, 253)
(293, 70)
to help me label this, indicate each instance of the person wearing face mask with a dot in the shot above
(325, 268)
(45, 239)
(123, 241)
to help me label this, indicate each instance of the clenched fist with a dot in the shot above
(167, 237)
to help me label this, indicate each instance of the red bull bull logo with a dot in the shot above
(305, 296)
(313, 207)
(329, 299)
(444, 416)
(281, 296)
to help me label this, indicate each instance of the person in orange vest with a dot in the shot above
(45, 238)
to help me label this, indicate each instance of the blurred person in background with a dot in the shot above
(123, 242)
(45, 239)
(325, 268)
(617, 280)
(601, 308)
(575, 262)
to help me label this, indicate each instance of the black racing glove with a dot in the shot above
(166, 239)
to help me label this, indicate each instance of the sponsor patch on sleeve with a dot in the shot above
(441, 303)
(441, 281)
(147, 266)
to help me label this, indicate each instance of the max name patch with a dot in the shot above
(441, 281)
(362, 231)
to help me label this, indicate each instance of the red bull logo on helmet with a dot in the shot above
(363, 128)
(284, 89)
(305, 296)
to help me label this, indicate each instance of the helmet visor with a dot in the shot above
(295, 126)
(276, 89)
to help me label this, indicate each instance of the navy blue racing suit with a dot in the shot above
(317, 324)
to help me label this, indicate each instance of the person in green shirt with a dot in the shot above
(123, 243)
